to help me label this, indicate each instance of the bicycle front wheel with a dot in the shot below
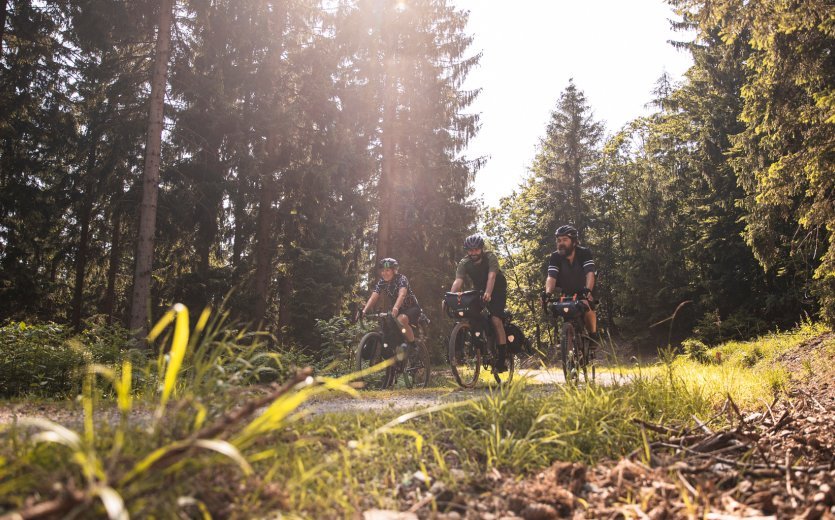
(370, 353)
(416, 373)
(464, 355)
(568, 350)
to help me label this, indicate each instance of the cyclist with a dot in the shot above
(482, 268)
(571, 267)
(405, 308)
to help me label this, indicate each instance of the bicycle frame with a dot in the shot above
(570, 327)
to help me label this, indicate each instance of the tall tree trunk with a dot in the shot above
(264, 247)
(285, 291)
(84, 215)
(81, 262)
(3, 10)
(113, 268)
(388, 183)
(150, 177)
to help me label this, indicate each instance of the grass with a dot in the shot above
(194, 455)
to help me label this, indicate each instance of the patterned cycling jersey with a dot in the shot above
(393, 287)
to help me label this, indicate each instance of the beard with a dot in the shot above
(476, 258)
(566, 250)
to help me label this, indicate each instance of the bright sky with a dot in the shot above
(614, 49)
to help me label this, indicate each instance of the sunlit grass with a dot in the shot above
(335, 465)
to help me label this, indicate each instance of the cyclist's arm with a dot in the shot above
(550, 285)
(588, 267)
(372, 300)
(456, 285)
(590, 281)
(491, 281)
(401, 295)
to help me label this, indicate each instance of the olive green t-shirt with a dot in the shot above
(477, 273)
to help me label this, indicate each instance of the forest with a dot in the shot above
(266, 153)
(194, 196)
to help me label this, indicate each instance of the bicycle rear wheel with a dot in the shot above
(568, 349)
(464, 355)
(370, 353)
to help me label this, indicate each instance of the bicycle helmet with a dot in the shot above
(566, 231)
(474, 242)
(388, 263)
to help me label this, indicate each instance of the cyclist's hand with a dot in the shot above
(487, 297)
(395, 311)
(586, 292)
(443, 306)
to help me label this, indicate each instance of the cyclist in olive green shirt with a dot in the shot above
(482, 268)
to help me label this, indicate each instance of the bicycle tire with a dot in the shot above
(376, 380)
(463, 355)
(568, 353)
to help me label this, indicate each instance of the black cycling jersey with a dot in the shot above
(393, 287)
(571, 276)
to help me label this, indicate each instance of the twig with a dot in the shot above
(56, 508)
(810, 396)
(422, 502)
(687, 485)
(789, 482)
(657, 428)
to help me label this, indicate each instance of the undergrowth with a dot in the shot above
(201, 449)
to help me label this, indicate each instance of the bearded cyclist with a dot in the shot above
(571, 267)
(482, 268)
(405, 308)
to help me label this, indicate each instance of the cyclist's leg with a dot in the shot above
(496, 306)
(590, 319)
(403, 318)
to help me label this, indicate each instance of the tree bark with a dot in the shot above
(84, 215)
(113, 268)
(150, 177)
(3, 10)
(388, 182)
(264, 248)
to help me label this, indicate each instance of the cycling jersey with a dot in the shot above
(478, 272)
(571, 276)
(393, 287)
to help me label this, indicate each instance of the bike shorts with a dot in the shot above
(497, 304)
(413, 313)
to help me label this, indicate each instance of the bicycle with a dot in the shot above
(472, 342)
(389, 342)
(575, 349)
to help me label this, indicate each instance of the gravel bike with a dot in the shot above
(389, 341)
(472, 342)
(575, 350)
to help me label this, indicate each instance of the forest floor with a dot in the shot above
(769, 464)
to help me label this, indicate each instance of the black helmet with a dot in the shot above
(474, 242)
(388, 263)
(566, 231)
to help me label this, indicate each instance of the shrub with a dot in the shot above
(47, 360)
(697, 351)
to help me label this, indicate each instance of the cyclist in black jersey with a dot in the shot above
(405, 308)
(571, 268)
(482, 268)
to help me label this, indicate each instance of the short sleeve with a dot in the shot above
(492, 263)
(402, 282)
(588, 262)
(461, 271)
(379, 285)
(554, 265)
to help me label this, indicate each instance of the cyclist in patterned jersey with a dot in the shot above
(571, 268)
(482, 268)
(405, 308)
